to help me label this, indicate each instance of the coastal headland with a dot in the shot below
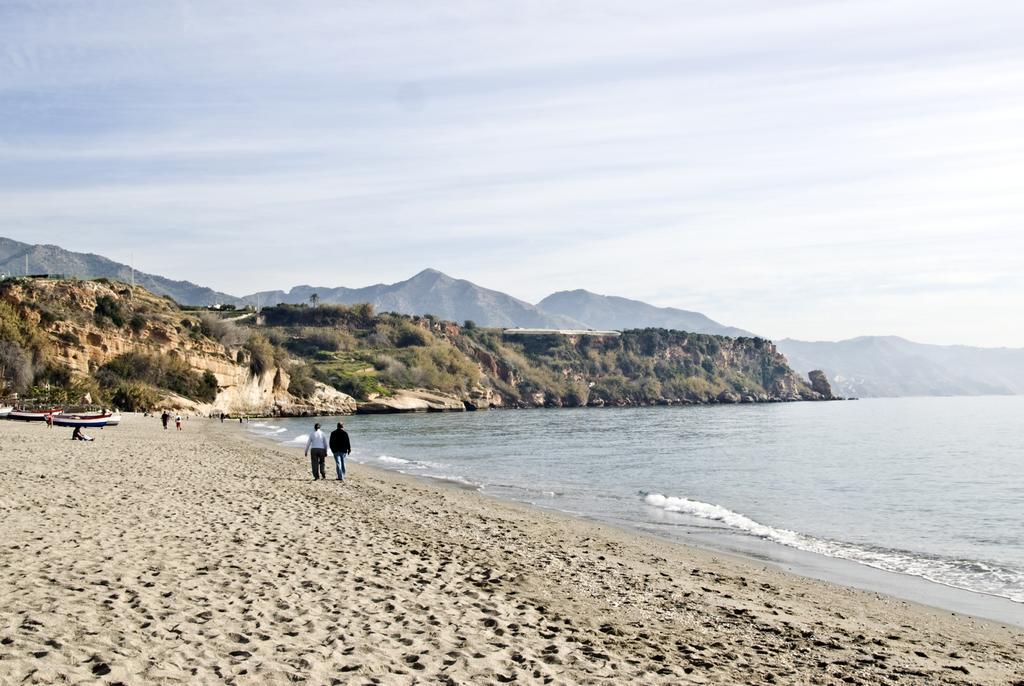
(118, 345)
(206, 556)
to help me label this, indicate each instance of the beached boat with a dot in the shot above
(5, 410)
(96, 420)
(93, 423)
(33, 415)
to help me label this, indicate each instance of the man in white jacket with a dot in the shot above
(316, 448)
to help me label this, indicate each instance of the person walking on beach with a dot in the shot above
(177, 422)
(165, 417)
(316, 448)
(340, 447)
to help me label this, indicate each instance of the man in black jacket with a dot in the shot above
(341, 447)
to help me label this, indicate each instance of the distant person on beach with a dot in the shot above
(316, 448)
(49, 421)
(165, 417)
(79, 435)
(340, 447)
(177, 422)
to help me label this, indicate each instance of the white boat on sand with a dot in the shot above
(96, 420)
(33, 415)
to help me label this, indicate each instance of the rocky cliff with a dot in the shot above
(89, 324)
(401, 363)
(298, 360)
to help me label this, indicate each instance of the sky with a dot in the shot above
(798, 168)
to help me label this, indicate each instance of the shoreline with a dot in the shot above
(807, 564)
(190, 557)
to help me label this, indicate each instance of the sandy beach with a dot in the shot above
(206, 556)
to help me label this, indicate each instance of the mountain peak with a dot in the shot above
(430, 274)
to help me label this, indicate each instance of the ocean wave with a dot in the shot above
(411, 464)
(418, 467)
(971, 575)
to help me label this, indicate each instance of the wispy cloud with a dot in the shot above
(813, 169)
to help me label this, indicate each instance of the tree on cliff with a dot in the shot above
(15, 367)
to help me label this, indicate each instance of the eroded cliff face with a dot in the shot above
(89, 324)
(641, 367)
(83, 342)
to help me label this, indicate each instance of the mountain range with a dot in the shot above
(432, 292)
(18, 259)
(890, 366)
(865, 366)
(612, 312)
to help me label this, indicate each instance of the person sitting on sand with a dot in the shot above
(316, 448)
(79, 435)
(341, 447)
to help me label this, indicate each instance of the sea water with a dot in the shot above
(927, 487)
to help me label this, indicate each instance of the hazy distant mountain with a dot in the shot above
(612, 312)
(891, 366)
(431, 292)
(50, 259)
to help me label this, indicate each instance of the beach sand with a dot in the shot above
(205, 556)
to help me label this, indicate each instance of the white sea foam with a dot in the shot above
(455, 480)
(410, 464)
(387, 459)
(300, 439)
(967, 574)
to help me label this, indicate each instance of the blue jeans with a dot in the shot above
(339, 464)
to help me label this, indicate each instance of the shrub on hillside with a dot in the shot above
(301, 381)
(261, 355)
(409, 335)
(137, 323)
(359, 386)
(50, 373)
(158, 371)
(356, 316)
(228, 333)
(132, 396)
(108, 309)
(310, 342)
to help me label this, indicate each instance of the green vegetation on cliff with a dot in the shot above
(124, 346)
(61, 336)
(167, 372)
(366, 354)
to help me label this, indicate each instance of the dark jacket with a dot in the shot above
(339, 441)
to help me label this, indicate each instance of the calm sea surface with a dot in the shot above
(930, 487)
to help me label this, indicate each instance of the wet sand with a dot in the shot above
(207, 557)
